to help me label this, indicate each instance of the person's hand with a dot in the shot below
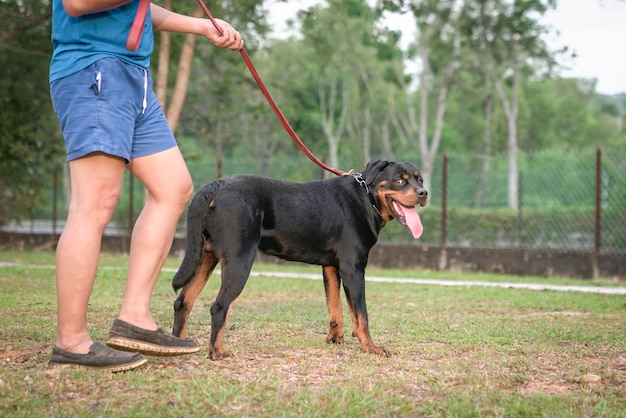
(224, 37)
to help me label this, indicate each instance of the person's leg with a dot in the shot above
(158, 163)
(95, 188)
(98, 108)
(169, 187)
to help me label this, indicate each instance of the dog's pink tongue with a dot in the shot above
(413, 221)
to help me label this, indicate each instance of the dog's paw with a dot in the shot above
(334, 338)
(216, 354)
(379, 351)
(384, 352)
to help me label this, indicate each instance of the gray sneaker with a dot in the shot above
(99, 357)
(128, 337)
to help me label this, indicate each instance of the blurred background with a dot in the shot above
(513, 111)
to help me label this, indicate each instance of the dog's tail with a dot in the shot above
(196, 238)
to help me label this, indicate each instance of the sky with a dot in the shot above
(594, 29)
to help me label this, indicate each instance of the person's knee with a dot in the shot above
(176, 194)
(108, 202)
(183, 194)
(187, 192)
(97, 209)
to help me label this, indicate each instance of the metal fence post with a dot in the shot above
(520, 207)
(55, 188)
(598, 215)
(443, 256)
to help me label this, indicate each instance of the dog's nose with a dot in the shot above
(422, 193)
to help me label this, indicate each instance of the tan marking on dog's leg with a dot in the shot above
(190, 293)
(333, 301)
(360, 329)
(217, 350)
(362, 332)
(353, 317)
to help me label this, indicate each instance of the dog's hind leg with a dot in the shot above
(354, 287)
(235, 272)
(332, 287)
(190, 292)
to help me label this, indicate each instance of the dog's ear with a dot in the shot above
(372, 169)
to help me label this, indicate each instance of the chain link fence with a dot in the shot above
(567, 200)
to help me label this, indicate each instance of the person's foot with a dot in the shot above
(98, 357)
(128, 337)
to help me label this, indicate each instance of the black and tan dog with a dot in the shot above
(332, 223)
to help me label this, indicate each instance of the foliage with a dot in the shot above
(566, 114)
(29, 138)
(341, 45)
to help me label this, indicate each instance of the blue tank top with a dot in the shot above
(81, 41)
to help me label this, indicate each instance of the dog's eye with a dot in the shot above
(400, 182)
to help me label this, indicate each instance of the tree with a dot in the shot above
(438, 51)
(30, 142)
(320, 28)
(509, 40)
(513, 39)
(242, 10)
(352, 76)
(566, 114)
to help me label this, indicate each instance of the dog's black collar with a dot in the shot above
(361, 181)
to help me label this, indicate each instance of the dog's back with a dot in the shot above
(293, 221)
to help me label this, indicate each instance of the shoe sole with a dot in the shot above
(112, 368)
(136, 346)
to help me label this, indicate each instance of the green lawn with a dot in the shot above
(464, 351)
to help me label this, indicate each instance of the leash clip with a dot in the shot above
(359, 179)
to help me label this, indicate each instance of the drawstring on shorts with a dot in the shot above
(145, 92)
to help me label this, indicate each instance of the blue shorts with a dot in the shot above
(110, 107)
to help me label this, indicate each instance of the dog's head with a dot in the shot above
(398, 188)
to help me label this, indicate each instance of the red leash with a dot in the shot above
(136, 30)
(273, 104)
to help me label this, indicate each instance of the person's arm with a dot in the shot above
(76, 8)
(166, 20)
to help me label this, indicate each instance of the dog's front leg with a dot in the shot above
(354, 286)
(333, 301)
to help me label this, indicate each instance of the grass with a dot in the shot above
(463, 351)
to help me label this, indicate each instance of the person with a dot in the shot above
(111, 121)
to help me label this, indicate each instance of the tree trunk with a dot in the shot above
(385, 137)
(219, 153)
(367, 133)
(361, 123)
(511, 112)
(424, 90)
(164, 60)
(429, 150)
(333, 127)
(182, 77)
(483, 193)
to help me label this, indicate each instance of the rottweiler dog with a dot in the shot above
(332, 223)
